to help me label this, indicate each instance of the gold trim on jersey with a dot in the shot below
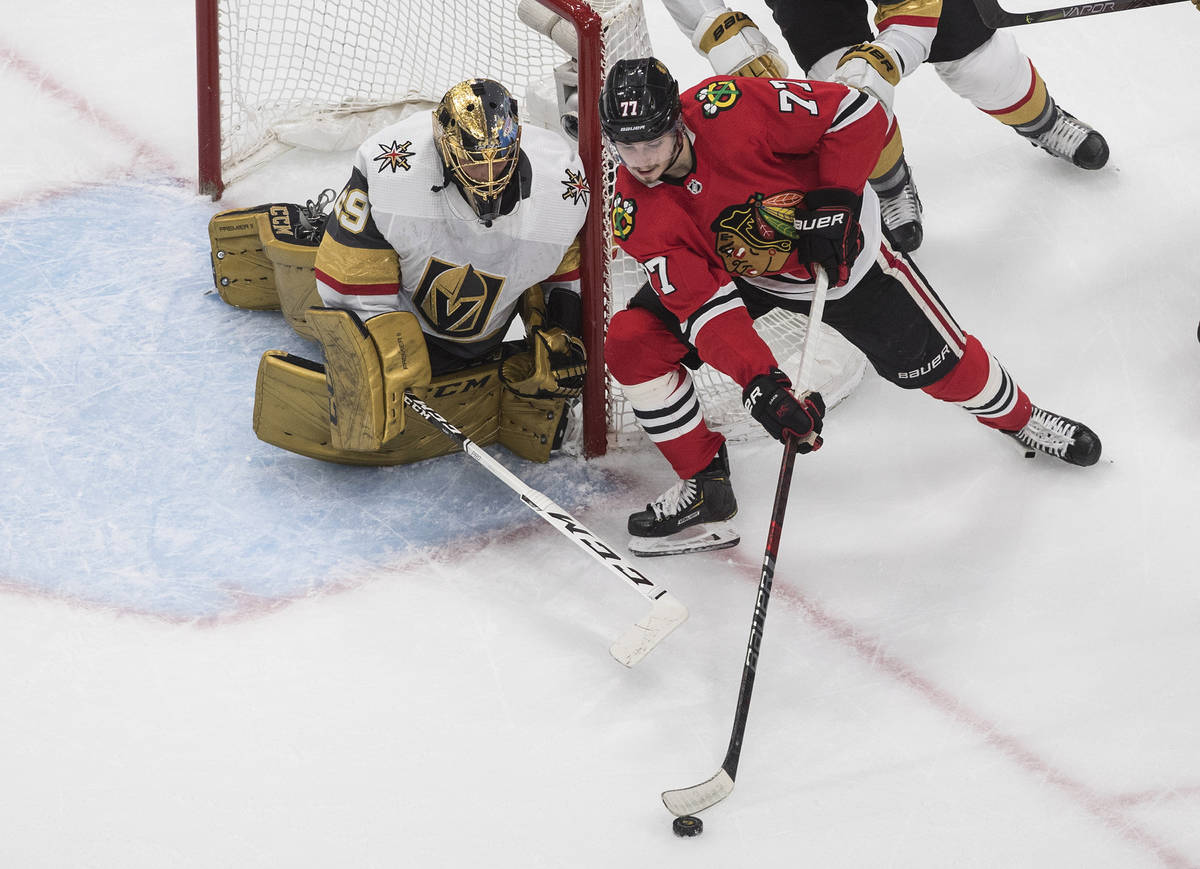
(358, 270)
(570, 261)
(907, 9)
(1030, 109)
(891, 155)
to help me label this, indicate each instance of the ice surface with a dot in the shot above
(220, 654)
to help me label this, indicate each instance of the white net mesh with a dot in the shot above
(288, 62)
(325, 73)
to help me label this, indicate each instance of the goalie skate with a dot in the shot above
(691, 516)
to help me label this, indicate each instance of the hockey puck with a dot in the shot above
(687, 826)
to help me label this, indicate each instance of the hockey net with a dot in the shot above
(279, 74)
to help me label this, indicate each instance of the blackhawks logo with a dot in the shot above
(758, 236)
(623, 211)
(717, 97)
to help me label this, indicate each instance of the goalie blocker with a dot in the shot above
(262, 258)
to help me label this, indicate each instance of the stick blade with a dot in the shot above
(697, 798)
(666, 615)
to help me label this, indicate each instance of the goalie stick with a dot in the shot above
(995, 15)
(667, 612)
(688, 801)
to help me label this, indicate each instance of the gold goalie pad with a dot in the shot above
(291, 411)
(263, 259)
(368, 367)
(351, 409)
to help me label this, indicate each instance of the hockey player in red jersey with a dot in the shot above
(729, 195)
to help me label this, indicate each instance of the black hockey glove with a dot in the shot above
(770, 400)
(828, 233)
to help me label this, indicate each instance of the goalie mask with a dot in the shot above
(478, 137)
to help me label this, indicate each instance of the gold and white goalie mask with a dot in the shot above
(478, 136)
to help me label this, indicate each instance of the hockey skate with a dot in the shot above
(691, 516)
(901, 211)
(1057, 436)
(1071, 139)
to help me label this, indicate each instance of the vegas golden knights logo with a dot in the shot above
(457, 301)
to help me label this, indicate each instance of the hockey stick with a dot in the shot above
(688, 801)
(994, 15)
(667, 612)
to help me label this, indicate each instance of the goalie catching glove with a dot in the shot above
(827, 231)
(554, 363)
(770, 400)
(554, 366)
(736, 47)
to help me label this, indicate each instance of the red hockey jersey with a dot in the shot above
(759, 145)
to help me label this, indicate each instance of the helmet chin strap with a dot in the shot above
(678, 147)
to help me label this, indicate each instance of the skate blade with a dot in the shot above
(699, 538)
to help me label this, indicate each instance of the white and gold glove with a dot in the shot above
(872, 69)
(734, 46)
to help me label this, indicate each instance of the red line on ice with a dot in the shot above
(1107, 810)
(144, 153)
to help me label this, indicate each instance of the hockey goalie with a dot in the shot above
(443, 235)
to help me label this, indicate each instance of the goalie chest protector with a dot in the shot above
(434, 231)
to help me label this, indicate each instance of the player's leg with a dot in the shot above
(645, 357)
(891, 179)
(819, 32)
(899, 204)
(1000, 80)
(935, 355)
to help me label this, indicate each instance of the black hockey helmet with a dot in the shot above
(640, 101)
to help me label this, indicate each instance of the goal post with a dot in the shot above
(596, 244)
(208, 99)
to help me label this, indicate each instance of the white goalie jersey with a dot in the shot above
(402, 238)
